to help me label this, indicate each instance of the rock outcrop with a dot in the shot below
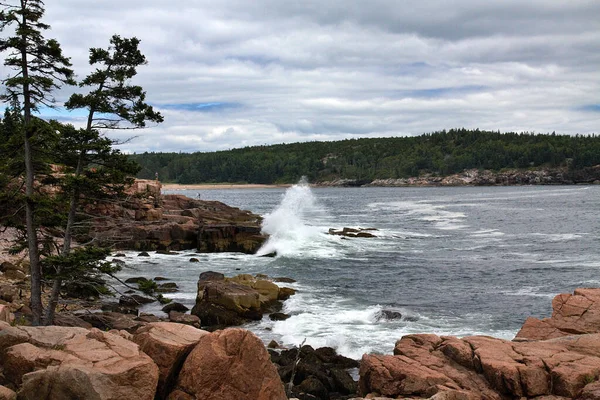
(353, 232)
(225, 301)
(554, 358)
(149, 220)
(321, 373)
(475, 177)
(480, 367)
(168, 344)
(65, 363)
(572, 314)
(228, 364)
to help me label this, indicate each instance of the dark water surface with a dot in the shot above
(459, 261)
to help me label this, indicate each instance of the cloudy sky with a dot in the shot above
(234, 73)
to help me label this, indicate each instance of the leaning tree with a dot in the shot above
(96, 171)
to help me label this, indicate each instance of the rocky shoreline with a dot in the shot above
(149, 358)
(475, 177)
(112, 351)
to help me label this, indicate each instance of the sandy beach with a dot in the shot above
(175, 186)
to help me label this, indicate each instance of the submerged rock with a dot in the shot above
(353, 232)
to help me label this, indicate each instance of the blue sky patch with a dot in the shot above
(590, 108)
(199, 107)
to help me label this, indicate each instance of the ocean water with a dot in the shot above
(453, 261)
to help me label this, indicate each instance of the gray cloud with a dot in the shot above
(326, 70)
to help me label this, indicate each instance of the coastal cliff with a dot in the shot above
(150, 220)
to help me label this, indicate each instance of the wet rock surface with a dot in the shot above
(320, 373)
(232, 301)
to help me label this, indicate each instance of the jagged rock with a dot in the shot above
(353, 232)
(323, 364)
(229, 364)
(483, 367)
(174, 307)
(111, 320)
(230, 238)
(65, 363)
(186, 319)
(284, 280)
(15, 275)
(388, 315)
(136, 279)
(168, 344)
(233, 296)
(279, 316)
(285, 293)
(119, 308)
(267, 290)
(5, 314)
(65, 319)
(576, 313)
(151, 221)
(214, 315)
(8, 293)
(230, 301)
(135, 300)
(312, 386)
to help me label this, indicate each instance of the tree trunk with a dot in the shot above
(32, 240)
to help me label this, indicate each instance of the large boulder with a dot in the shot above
(267, 290)
(231, 295)
(168, 344)
(231, 301)
(66, 363)
(228, 364)
(481, 367)
(572, 314)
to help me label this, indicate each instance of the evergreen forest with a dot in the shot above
(440, 153)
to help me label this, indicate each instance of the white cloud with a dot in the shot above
(326, 70)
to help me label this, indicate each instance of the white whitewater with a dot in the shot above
(292, 226)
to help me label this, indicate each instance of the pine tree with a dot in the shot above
(40, 67)
(96, 169)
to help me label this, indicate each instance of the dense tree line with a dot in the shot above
(439, 153)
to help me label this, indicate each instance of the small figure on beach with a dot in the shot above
(198, 195)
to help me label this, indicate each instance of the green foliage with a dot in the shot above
(147, 287)
(46, 68)
(162, 299)
(80, 271)
(112, 100)
(440, 153)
